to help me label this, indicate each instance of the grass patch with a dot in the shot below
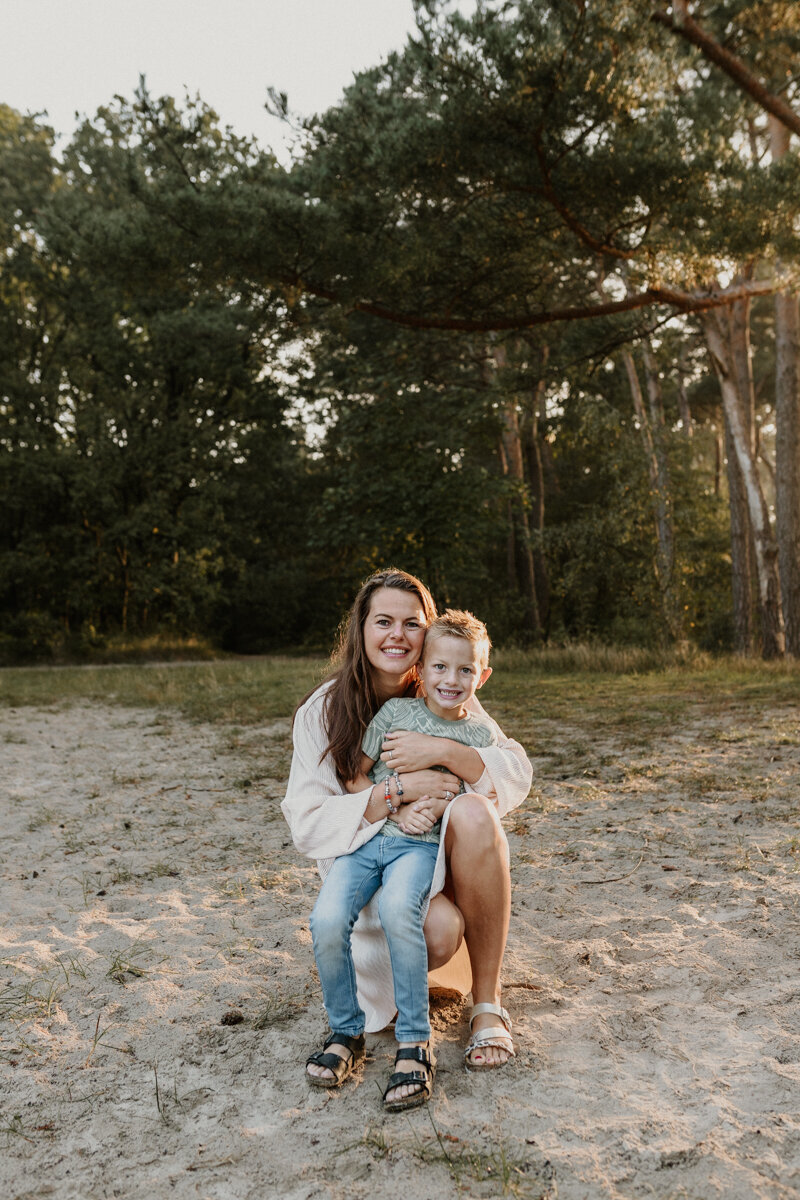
(246, 692)
(635, 694)
(474, 1171)
(632, 693)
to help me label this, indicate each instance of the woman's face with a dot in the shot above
(394, 631)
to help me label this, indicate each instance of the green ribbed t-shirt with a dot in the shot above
(413, 714)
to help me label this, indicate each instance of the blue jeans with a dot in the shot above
(403, 868)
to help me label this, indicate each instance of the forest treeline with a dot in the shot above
(521, 317)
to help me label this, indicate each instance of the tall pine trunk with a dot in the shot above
(787, 441)
(719, 327)
(651, 429)
(519, 531)
(537, 449)
(744, 581)
(512, 455)
(741, 552)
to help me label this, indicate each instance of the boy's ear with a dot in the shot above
(485, 673)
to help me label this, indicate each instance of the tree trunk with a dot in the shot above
(511, 549)
(687, 425)
(787, 439)
(537, 487)
(718, 334)
(741, 552)
(744, 583)
(651, 428)
(512, 446)
(513, 461)
(718, 455)
(123, 556)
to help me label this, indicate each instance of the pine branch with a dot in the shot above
(686, 27)
(687, 302)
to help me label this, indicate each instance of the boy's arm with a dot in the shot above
(499, 770)
(466, 761)
(412, 751)
(508, 771)
(405, 750)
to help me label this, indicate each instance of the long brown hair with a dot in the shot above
(351, 700)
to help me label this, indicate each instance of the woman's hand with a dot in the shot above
(430, 785)
(406, 751)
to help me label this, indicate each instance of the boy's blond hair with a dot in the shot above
(456, 622)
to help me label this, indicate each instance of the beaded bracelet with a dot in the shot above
(387, 795)
(398, 784)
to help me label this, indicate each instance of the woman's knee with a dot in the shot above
(475, 818)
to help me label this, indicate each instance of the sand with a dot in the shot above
(158, 995)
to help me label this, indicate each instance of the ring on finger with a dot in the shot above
(448, 796)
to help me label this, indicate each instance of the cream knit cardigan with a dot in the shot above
(326, 822)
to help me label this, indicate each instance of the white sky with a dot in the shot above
(71, 56)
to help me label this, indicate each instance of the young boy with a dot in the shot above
(400, 860)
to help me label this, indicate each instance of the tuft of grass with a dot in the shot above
(45, 816)
(278, 1009)
(36, 999)
(123, 964)
(89, 884)
(14, 1127)
(71, 964)
(493, 1172)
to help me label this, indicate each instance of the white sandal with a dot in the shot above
(496, 1035)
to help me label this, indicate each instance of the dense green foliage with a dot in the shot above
(229, 390)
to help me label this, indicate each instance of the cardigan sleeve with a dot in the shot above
(325, 821)
(507, 774)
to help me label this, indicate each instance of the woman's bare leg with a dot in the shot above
(478, 867)
(443, 929)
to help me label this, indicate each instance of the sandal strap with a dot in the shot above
(420, 1054)
(423, 1084)
(496, 1009)
(339, 1065)
(331, 1062)
(354, 1044)
(491, 1037)
(401, 1077)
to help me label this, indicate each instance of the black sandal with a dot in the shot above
(341, 1067)
(423, 1079)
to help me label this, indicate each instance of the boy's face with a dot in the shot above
(451, 674)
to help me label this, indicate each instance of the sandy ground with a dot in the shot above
(158, 997)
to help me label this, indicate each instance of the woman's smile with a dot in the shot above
(394, 631)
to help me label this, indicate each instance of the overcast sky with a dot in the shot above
(71, 56)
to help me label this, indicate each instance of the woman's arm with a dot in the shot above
(362, 780)
(407, 751)
(325, 821)
(501, 772)
(507, 774)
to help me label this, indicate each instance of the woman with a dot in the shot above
(379, 647)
